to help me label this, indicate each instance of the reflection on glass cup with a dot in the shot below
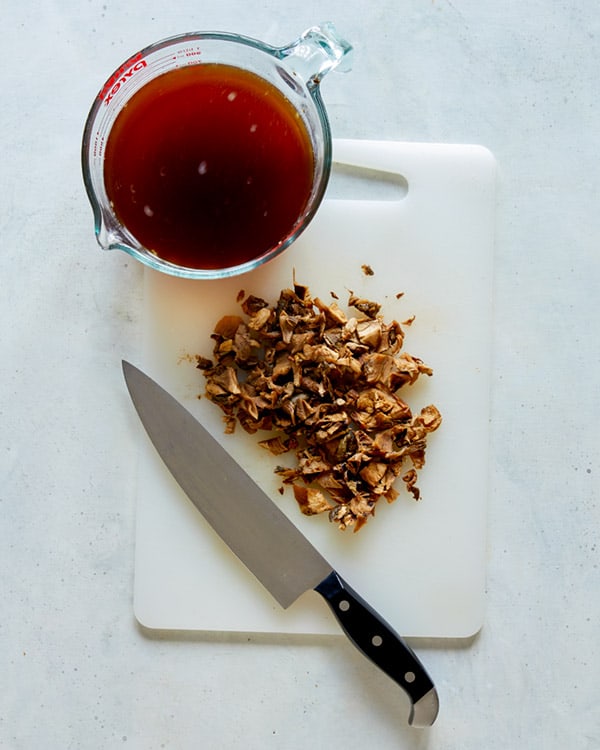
(207, 154)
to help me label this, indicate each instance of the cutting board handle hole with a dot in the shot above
(351, 182)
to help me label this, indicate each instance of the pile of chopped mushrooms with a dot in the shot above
(325, 384)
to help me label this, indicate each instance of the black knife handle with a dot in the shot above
(374, 637)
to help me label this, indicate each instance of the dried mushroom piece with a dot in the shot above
(311, 500)
(325, 382)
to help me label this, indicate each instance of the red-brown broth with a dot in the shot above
(209, 166)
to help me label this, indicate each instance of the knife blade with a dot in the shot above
(266, 541)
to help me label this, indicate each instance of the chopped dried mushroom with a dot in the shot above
(326, 384)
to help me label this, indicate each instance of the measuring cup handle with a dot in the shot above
(319, 50)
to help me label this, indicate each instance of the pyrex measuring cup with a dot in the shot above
(291, 73)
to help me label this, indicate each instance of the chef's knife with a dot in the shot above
(266, 541)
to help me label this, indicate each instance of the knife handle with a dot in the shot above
(376, 639)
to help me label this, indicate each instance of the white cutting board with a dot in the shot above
(421, 565)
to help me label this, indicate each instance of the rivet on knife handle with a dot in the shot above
(385, 648)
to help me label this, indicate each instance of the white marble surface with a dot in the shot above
(519, 78)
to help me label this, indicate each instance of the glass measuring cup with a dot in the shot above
(290, 77)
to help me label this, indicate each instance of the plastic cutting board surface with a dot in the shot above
(421, 565)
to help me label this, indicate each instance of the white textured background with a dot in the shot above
(76, 671)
